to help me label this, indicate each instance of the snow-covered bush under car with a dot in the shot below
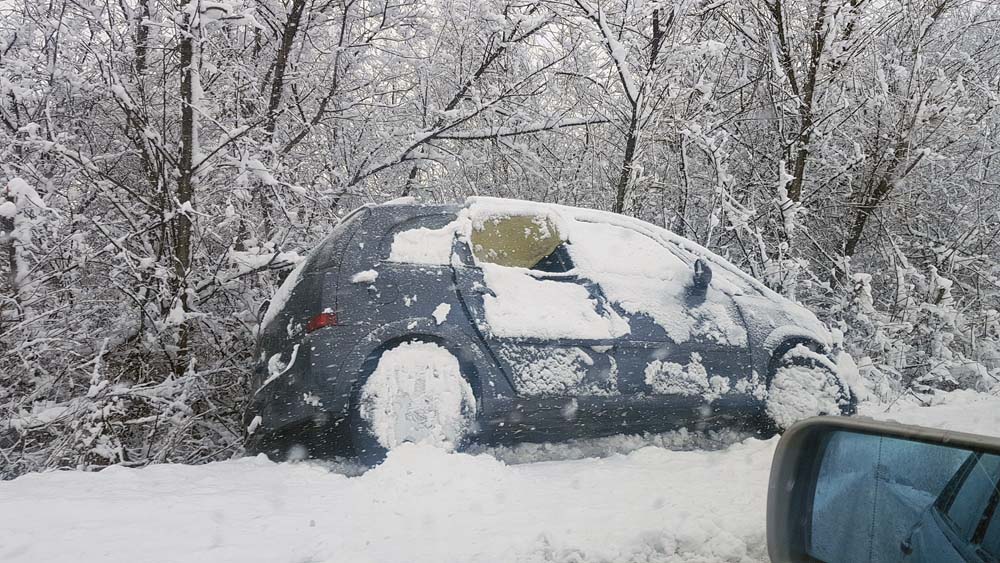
(500, 320)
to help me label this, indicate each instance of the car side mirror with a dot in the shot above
(701, 277)
(845, 489)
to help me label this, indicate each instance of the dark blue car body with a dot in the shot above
(306, 382)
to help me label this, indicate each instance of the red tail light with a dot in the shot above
(321, 320)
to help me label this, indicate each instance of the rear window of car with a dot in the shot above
(424, 239)
(331, 250)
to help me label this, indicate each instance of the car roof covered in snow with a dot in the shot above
(400, 209)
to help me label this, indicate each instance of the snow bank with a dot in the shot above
(962, 410)
(420, 505)
(638, 502)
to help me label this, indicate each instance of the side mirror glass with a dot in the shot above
(857, 490)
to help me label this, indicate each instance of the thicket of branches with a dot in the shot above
(163, 163)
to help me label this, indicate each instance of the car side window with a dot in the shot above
(614, 249)
(972, 499)
(557, 262)
(521, 241)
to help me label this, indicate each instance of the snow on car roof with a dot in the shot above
(684, 248)
(642, 268)
(480, 207)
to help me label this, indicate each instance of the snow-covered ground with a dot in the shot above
(633, 499)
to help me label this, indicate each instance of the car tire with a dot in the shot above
(416, 393)
(803, 384)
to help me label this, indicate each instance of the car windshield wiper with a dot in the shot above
(554, 276)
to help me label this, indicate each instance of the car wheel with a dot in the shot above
(805, 384)
(417, 394)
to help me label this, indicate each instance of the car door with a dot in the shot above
(683, 350)
(549, 329)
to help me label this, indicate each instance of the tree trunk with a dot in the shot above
(281, 60)
(13, 290)
(141, 37)
(682, 197)
(185, 189)
(284, 55)
(817, 45)
(866, 209)
(624, 185)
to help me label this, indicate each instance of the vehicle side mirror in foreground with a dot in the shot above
(701, 276)
(846, 489)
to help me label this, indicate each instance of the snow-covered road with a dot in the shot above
(639, 502)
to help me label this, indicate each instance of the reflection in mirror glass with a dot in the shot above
(889, 499)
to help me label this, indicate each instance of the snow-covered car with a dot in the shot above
(498, 321)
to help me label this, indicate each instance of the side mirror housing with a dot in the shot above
(853, 489)
(701, 277)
